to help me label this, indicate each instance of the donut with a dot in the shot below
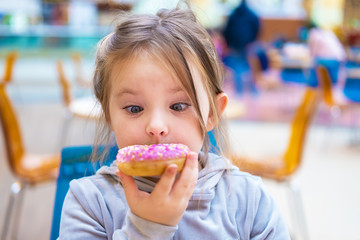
(150, 160)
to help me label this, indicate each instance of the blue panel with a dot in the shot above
(75, 163)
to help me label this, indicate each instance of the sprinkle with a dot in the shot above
(151, 152)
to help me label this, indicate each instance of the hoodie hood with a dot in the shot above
(215, 167)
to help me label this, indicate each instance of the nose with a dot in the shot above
(157, 126)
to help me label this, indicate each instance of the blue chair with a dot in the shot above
(213, 144)
(294, 75)
(308, 76)
(333, 66)
(352, 89)
(352, 83)
(352, 64)
(74, 164)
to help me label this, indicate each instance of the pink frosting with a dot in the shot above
(152, 152)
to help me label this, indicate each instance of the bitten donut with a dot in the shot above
(150, 160)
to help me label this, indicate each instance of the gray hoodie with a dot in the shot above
(226, 204)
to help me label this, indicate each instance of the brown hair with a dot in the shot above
(174, 38)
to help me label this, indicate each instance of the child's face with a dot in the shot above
(147, 106)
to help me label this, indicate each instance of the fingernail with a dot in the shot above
(173, 169)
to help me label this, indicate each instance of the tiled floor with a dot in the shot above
(329, 176)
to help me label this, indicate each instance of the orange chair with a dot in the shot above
(325, 84)
(281, 168)
(29, 169)
(84, 108)
(10, 60)
(79, 75)
(337, 106)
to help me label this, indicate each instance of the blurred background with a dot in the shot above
(272, 52)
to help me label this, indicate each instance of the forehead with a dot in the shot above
(143, 63)
(142, 75)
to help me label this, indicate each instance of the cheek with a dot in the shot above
(190, 134)
(127, 134)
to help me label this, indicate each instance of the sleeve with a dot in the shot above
(138, 228)
(268, 221)
(78, 218)
(86, 215)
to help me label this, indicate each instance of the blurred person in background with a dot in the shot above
(323, 43)
(240, 31)
(326, 49)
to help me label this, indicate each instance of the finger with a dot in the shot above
(163, 187)
(130, 188)
(186, 183)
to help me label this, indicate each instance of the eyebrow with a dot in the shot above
(126, 91)
(176, 90)
(134, 92)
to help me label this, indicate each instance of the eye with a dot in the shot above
(133, 109)
(179, 107)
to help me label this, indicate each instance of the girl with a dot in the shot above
(159, 80)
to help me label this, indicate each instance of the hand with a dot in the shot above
(169, 199)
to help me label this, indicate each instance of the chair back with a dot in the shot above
(352, 81)
(10, 60)
(74, 164)
(11, 130)
(352, 89)
(79, 73)
(295, 75)
(299, 129)
(332, 65)
(325, 85)
(64, 83)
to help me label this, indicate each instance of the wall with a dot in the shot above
(287, 28)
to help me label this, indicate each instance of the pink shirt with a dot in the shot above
(325, 44)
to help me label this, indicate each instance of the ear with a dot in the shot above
(221, 101)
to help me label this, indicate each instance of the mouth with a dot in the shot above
(162, 143)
